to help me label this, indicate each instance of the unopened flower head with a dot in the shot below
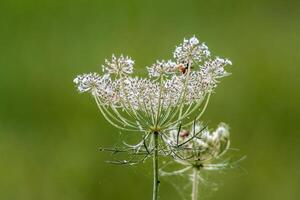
(175, 90)
(199, 146)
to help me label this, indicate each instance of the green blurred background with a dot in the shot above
(49, 134)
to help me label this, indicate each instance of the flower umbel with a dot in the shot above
(122, 66)
(162, 68)
(175, 91)
(191, 50)
(88, 82)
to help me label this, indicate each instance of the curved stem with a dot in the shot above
(155, 167)
(195, 180)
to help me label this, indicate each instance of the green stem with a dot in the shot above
(155, 167)
(195, 180)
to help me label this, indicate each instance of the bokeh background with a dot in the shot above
(49, 134)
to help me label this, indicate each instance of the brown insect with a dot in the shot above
(183, 68)
(184, 134)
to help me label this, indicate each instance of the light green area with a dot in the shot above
(49, 134)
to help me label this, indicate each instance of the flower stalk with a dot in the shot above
(156, 181)
(195, 180)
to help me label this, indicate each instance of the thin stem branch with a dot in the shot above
(195, 180)
(155, 167)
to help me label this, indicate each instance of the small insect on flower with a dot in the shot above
(182, 68)
(184, 134)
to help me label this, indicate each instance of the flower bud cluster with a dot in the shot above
(199, 145)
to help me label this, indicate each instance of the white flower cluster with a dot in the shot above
(173, 91)
(199, 146)
(162, 68)
(119, 66)
(88, 82)
(191, 50)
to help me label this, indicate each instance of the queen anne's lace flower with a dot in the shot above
(162, 68)
(215, 67)
(100, 86)
(173, 91)
(190, 51)
(88, 82)
(175, 94)
(121, 66)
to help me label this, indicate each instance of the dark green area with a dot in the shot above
(49, 133)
